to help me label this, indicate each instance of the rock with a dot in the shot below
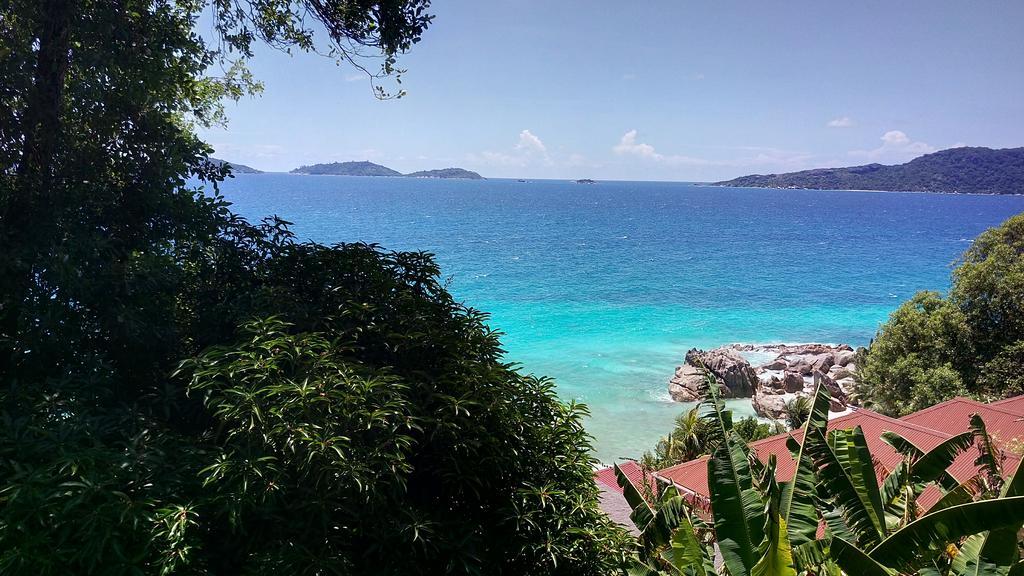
(846, 385)
(844, 357)
(838, 372)
(777, 364)
(792, 382)
(768, 405)
(801, 365)
(729, 367)
(685, 386)
(839, 399)
(822, 362)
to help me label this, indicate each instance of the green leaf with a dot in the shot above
(846, 473)
(738, 509)
(932, 466)
(642, 514)
(853, 560)
(777, 555)
(686, 553)
(905, 548)
(797, 501)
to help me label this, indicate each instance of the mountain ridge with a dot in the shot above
(966, 170)
(367, 168)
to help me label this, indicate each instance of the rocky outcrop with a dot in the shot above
(729, 367)
(685, 386)
(767, 404)
(792, 371)
(791, 382)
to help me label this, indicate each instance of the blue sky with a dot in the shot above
(666, 90)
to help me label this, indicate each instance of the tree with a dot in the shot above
(692, 438)
(185, 392)
(969, 343)
(797, 411)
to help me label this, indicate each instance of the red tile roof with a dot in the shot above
(1015, 404)
(1004, 424)
(631, 469)
(926, 429)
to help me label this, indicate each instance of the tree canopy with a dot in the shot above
(186, 392)
(970, 342)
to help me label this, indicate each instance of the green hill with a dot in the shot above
(348, 169)
(446, 173)
(236, 168)
(957, 170)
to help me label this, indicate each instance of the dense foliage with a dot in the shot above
(969, 343)
(833, 515)
(185, 392)
(958, 170)
(694, 436)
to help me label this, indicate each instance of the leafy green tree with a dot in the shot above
(970, 343)
(918, 358)
(183, 392)
(797, 411)
(692, 437)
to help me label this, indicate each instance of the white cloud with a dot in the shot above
(530, 143)
(896, 146)
(842, 122)
(628, 146)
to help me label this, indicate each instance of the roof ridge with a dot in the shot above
(952, 400)
(919, 427)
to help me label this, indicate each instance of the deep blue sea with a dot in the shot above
(604, 287)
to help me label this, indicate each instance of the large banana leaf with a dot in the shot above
(797, 501)
(962, 494)
(989, 459)
(905, 484)
(932, 466)
(687, 554)
(739, 517)
(907, 547)
(853, 560)
(776, 551)
(643, 513)
(846, 474)
(902, 445)
(993, 552)
(738, 509)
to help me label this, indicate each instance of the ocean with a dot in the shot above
(604, 287)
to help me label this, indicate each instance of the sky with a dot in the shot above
(652, 90)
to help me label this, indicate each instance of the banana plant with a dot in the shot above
(918, 469)
(764, 527)
(863, 542)
(670, 540)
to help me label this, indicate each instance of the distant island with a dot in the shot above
(236, 168)
(586, 181)
(366, 168)
(348, 169)
(446, 173)
(968, 170)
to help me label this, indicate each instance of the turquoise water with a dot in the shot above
(604, 287)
